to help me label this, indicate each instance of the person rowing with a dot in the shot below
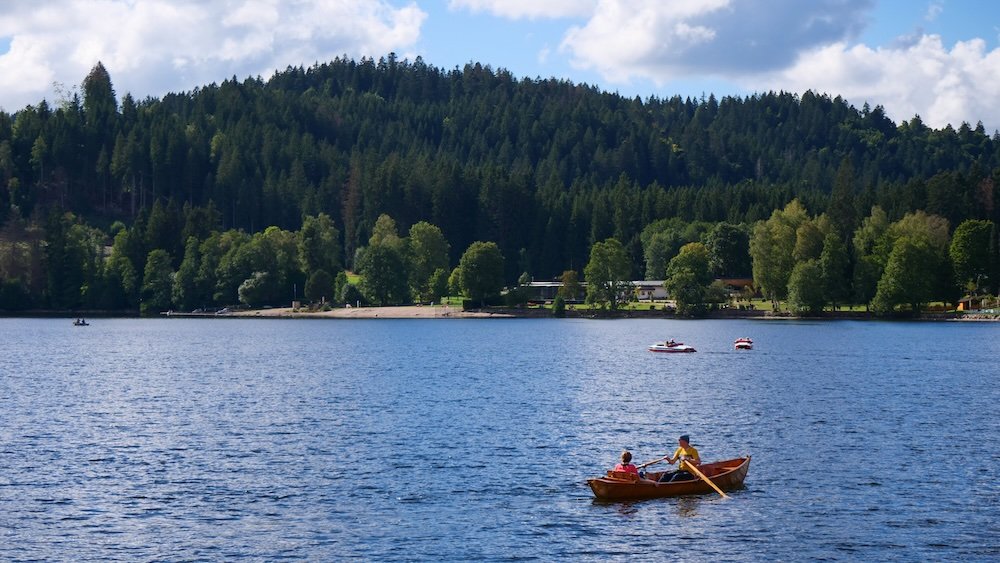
(685, 454)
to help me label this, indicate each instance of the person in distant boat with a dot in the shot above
(626, 464)
(685, 454)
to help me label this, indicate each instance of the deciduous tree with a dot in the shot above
(383, 275)
(908, 276)
(970, 253)
(570, 288)
(428, 253)
(608, 274)
(835, 264)
(688, 293)
(482, 270)
(805, 287)
(729, 250)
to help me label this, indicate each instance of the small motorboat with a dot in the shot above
(80, 322)
(743, 343)
(619, 485)
(670, 346)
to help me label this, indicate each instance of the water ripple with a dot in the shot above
(201, 440)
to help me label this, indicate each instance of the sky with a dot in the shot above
(938, 59)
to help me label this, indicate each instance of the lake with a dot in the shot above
(188, 439)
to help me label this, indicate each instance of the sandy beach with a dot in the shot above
(407, 312)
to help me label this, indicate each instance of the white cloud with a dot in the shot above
(942, 86)
(793, 46)
(154, 46)
(934, 10)
(661, 40)
(527, 9)
(543, 55)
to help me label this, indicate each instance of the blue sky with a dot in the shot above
(936, 58)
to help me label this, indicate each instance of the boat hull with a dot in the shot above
(727, 475)
(675, 349)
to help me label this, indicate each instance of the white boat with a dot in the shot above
(669, 346)
(743, 343)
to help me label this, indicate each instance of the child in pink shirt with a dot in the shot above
(626, 464)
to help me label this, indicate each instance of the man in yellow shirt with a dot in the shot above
(685, 453)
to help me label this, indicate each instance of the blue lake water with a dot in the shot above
(178, 439)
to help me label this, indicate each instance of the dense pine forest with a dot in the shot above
(258, 191)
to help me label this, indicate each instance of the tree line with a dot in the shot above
(543, 169)
(801, 259)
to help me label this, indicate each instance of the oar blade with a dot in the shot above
(690, 467)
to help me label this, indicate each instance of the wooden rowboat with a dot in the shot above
(618, 485)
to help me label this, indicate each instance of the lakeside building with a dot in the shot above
(650, 290)
(978, 303)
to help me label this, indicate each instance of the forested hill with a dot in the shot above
(542, 167)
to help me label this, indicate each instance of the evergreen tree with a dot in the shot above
(157, 283)
(186, 292)
(842, 201)
(319, 286)
(477, 153)
(319, 245)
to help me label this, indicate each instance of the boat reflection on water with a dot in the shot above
(687, 507)
(683, 507)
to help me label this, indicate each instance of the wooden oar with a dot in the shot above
(643, 466)
(690, 467)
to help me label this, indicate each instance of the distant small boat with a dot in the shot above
(669, 346)
(618, 485)
(80, 322)
(743, 343)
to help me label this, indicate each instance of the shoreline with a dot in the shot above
(449, 312)
(399, 312)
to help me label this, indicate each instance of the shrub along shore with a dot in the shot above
(451, 312)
